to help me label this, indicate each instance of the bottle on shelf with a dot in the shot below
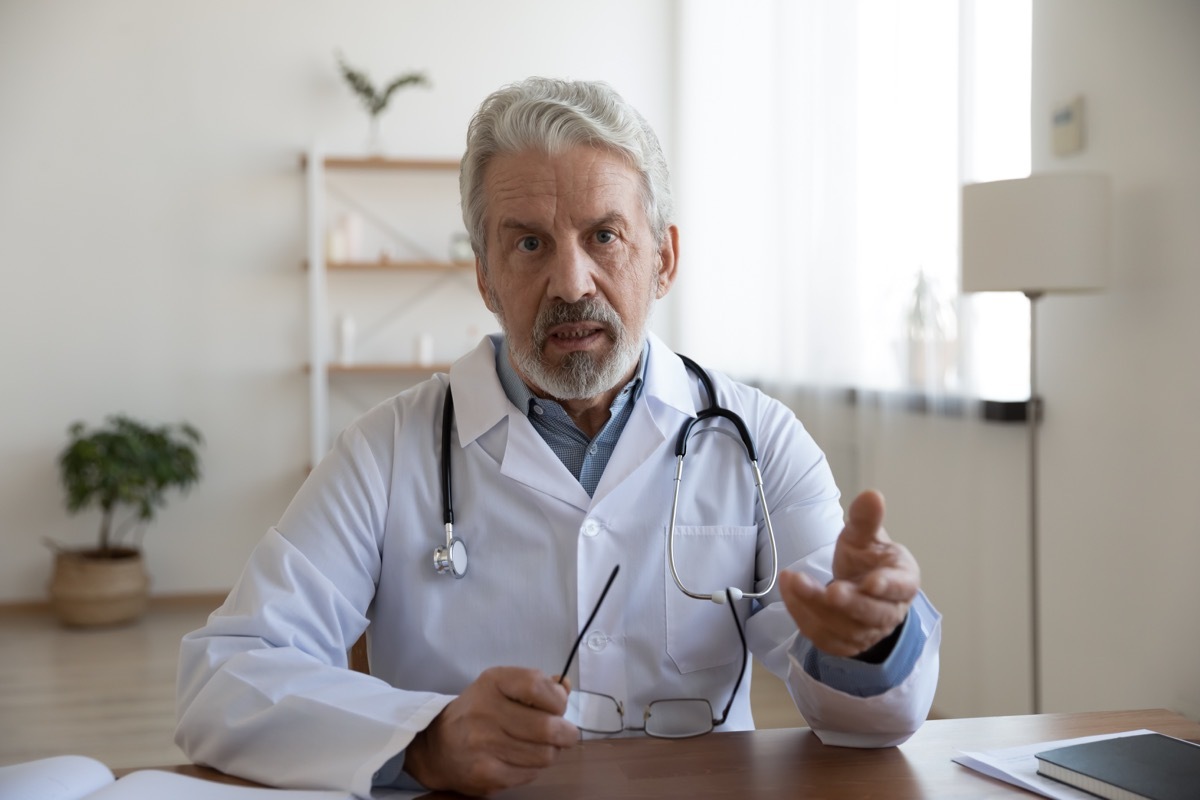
(345, 341)
(423, 351)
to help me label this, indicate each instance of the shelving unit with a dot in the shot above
(388, 265)
(321, 366)
(388, 369)
(394, 266)
(378, 162)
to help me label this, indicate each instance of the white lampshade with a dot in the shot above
(1044, 233)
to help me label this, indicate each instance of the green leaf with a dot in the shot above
(374, 100)
(125, 462)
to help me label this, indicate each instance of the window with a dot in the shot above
(822, 150)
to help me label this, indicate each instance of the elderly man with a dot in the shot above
(559, 443)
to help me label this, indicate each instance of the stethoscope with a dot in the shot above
(452, 557)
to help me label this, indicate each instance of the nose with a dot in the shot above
(572, 275)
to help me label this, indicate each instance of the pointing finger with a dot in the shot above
(864, 519)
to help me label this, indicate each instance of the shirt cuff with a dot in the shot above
(392, 776)
(863, 679)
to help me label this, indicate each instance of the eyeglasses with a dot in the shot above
(675, 718)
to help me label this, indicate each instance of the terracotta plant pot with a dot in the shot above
(89, 589)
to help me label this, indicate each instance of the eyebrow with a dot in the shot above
(612, 218)
(513, 224)
(609, 219)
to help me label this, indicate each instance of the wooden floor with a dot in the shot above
(107, 693)
(110, 693)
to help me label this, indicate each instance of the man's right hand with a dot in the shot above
(503, 729)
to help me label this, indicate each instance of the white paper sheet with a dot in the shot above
(83, 778)
(54, 778)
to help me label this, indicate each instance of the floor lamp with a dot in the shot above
(1037, 235)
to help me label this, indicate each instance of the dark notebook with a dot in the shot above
(1146, 766)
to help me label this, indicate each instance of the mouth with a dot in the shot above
(575, 336)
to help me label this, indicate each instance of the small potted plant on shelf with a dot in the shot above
(375, 99)
(122, 464)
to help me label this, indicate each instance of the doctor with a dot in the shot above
(562, 449)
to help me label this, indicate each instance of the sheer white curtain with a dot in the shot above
(822, 146)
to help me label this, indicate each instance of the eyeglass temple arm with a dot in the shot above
(579, 639)
(745, 657)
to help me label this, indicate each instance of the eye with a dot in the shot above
(528, 244)
(605, 237)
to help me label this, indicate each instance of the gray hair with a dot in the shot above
(549, 116)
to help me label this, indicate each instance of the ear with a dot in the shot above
(481, 282)
(668, 261)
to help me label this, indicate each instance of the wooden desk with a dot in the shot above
(792, 763)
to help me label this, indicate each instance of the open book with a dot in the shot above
(83, 778)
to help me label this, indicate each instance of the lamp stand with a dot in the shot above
(1033, 419)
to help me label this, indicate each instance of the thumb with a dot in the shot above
(864, 520)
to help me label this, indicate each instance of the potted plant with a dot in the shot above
(376, 99)
(123, 464)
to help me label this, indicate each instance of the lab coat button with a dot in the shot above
(591, 527)
(597, 641)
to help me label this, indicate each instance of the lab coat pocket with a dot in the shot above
(700, 633)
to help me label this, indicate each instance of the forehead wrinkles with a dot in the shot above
(599, 182)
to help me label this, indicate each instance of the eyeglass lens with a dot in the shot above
(665, 719)
(678, 719)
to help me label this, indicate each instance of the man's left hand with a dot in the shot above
(874, 583)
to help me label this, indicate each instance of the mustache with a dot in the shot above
(580, 311)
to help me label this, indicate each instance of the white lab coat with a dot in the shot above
(263, 692)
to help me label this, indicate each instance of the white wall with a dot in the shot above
(1121, 375)
(152, 223)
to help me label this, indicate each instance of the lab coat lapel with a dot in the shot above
(666, 403)
(529, 460)
(480, 404)
(643, 435)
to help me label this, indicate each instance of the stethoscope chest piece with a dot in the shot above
(451, 559)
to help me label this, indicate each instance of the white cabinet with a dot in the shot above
(392, 296)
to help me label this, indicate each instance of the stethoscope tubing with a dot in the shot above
(444, 560)
(731, 592)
